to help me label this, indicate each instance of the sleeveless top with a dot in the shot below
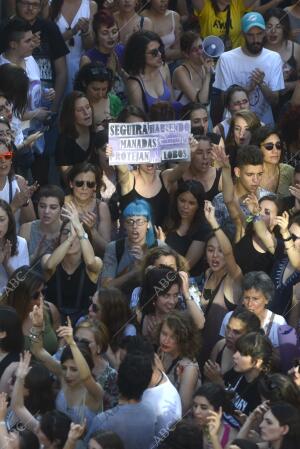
(179, 95)
(289, 68)
(75, 50)
(214, 190)
(159, 203)
(7, 194)
(50, 342)
(149, 100)
(76, 413)
(35, 238)
(169, 39)
(70, 292)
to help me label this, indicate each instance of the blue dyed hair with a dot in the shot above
(142, 208)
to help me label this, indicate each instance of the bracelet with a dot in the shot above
(25, 204)
(86, 33)
(257, 218)
(216, 229)
(287, 239)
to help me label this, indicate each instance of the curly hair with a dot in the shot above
(258, 347)
(185, 331)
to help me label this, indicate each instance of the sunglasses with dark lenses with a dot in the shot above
(82, 340)
(156, 51)
(89, 184)
(270, 146)
(94, 306)
(35, 296)
(6, 156)
(295, 237)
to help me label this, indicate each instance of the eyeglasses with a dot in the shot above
(88, 184)
(137, 222)
(155, 52)
(271, 145)
(35, 296)
(30, 5)
(6, 156)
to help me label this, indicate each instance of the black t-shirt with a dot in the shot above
(68, 152)
(52, 48)
(246, 397)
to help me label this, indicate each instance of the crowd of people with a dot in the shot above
(150, 305)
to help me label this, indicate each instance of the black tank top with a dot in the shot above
(214, 190)
(159, 203)
(70, 292)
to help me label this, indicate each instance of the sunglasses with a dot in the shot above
(295, 237)
(156, 51)
(94, 306)
(35, 296)
(270, 146)
(82, 340)
(6, 156)
(88, 184)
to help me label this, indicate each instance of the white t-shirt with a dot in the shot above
(273, 333)
(235, 67)
(34, 93)
(166, 403)
(20, 259)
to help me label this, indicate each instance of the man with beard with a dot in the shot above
(254, 67)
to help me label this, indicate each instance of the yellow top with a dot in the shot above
(212, 24)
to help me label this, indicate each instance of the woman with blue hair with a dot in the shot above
(122, 257)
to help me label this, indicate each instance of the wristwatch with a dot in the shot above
(84, 236)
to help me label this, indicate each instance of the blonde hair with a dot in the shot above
(99, 331)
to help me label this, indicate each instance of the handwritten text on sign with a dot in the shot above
(149, 142)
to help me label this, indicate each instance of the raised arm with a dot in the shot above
(17, 399)
(195, 311)
(94, 389)
(125, 176)
(292, 252)
(236, 215)
(259, 225)
(36, 347)
(233, 268)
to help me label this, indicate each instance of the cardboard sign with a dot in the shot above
(149, 142)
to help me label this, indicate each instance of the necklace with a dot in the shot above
(197, 71)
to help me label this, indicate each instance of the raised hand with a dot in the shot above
(160, 235)
(23, 365)
(37, 315)
(219, 155)
(184, 284)
(89, 219)
(5, 252)
(212, 371)
(70, 212)
(66, 332)
(252, 204)
(214, 422)
(209, 213)
(29, 141)
(76, 431)
(283, 222)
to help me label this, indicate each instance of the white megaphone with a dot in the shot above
(213, 46)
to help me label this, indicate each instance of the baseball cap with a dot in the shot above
(253, 19)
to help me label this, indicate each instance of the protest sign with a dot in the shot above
(149, 142)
